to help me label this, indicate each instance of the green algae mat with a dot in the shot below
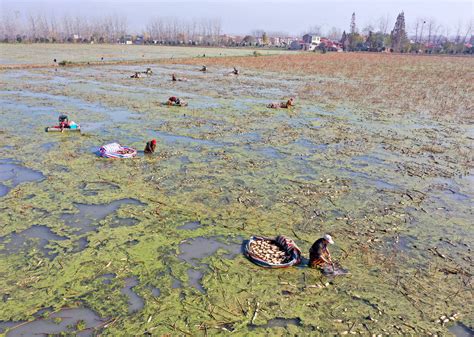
(152, 245)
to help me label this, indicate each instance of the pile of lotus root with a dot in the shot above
(268, 251)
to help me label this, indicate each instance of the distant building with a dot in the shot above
(297, 45)
(312, 41)
(275, 41)
(330, 45)
(286, 41)
(139, 39)
(127, 39)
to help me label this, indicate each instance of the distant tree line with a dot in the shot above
(44, 29)
(176, 31)
(40, 28)
(428, 37)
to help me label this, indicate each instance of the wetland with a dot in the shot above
(152, 245)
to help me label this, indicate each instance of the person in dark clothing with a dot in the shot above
(284, 105)
(319, 254)
(150, 146)
(235, 71)
(174, 78)
(63, 122)
(173, 100)
(204, 68)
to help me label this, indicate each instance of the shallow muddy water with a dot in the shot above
(89, 214)
(135, 302)
(277, 322)
(153, 243)
(78, 321)
(195, 250)
(36, 236)
(15, 174)
(460, 330)
(190, 225)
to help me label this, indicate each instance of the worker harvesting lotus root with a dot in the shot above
(136, 75)
(284, 105)
(319, 255)
(150, 146)
(175, 79)
(175, 101)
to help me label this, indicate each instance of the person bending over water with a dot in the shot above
(63, 122)
(319, 255)
(173, 100)
(284, 105)
(174, 78)
(150, 146)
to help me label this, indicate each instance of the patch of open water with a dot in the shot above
(176, 283)
(155, 291)
(277, 322)
(270, 152)
(37, 236)
(107, 278)
(80, 244)
(190, 225)
(64, 321)
(135, 302)
(461, 330)
(17, 174)
(89, 214)
(195, 276)
(194, 250)
(8, 325)
(4, 190)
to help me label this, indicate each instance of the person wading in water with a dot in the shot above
(173, 100)
(319, 255)
(150, 146)
(284, 105)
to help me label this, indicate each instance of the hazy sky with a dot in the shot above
(243, 16)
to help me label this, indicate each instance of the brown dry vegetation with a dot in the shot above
(434, 85)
